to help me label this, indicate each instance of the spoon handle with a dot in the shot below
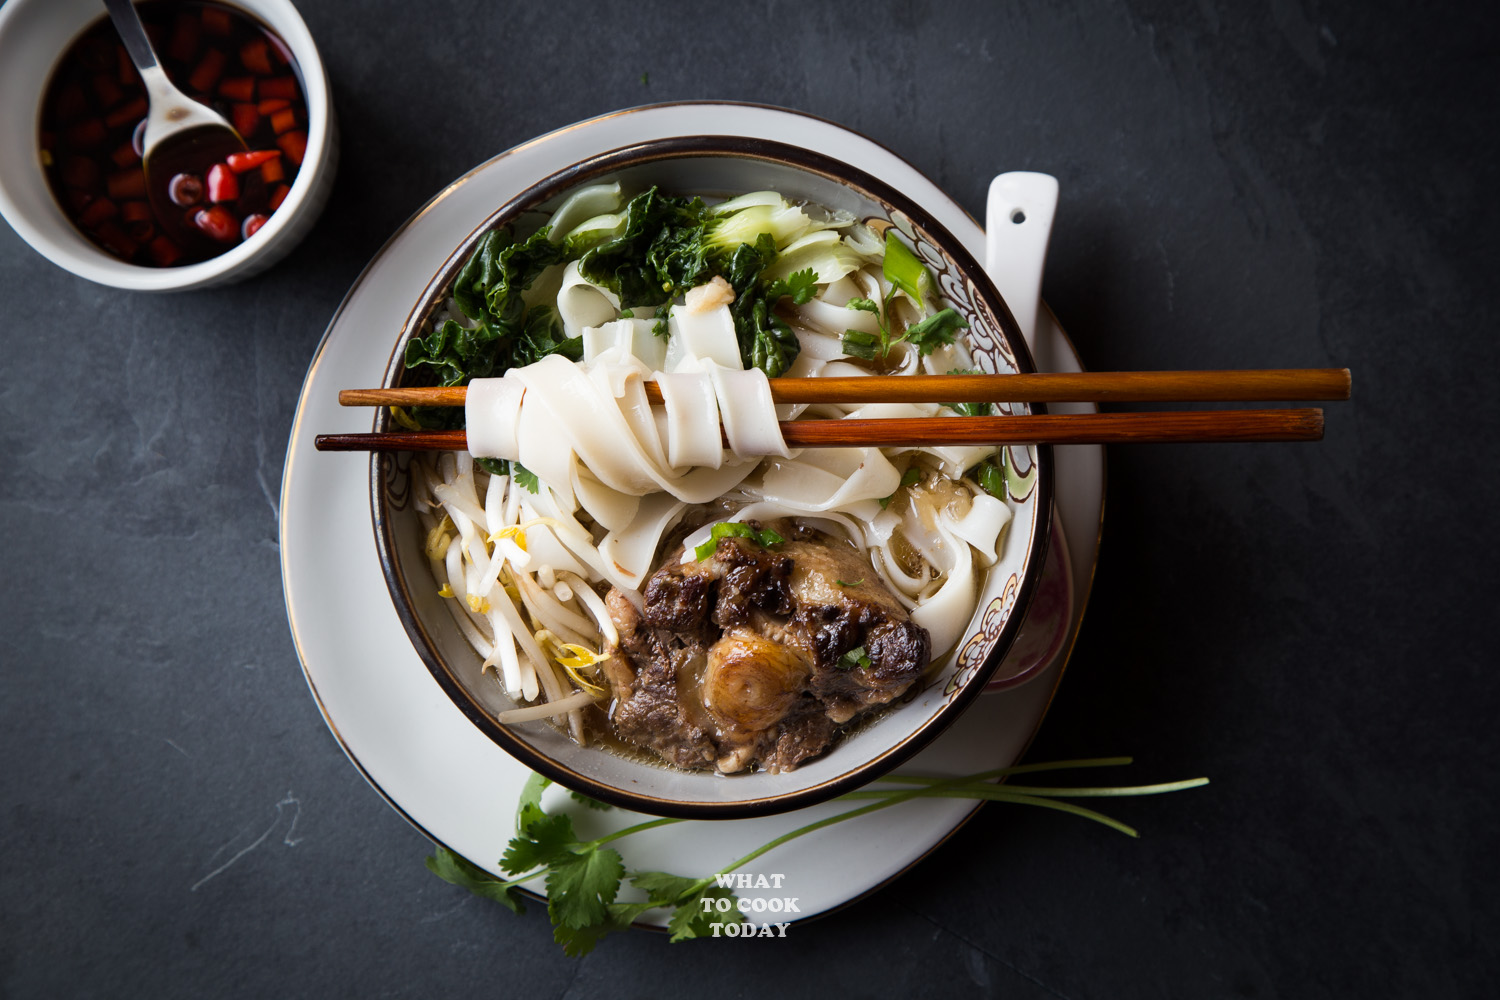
(132, 33)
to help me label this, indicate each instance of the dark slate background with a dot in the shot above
(1291, 182)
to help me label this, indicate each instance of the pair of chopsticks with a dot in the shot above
(1305, 424)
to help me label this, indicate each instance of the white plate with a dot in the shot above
(382, 705)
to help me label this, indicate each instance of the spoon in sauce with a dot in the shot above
(183, 138)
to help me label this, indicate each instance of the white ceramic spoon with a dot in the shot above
(1017, 228)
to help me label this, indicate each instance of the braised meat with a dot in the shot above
(740, 658)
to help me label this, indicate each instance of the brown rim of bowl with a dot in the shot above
(437, 292)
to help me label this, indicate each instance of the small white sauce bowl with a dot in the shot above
(34, 34)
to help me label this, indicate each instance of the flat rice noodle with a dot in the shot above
(981, 525)
(702, 336)
(835, 319)
(852, 480)
(747, 413)
(946, 614)
(691, 413)
(582, 304)
(631, 549)
(583, 418)
(632, 336)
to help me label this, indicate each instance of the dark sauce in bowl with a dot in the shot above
(211, 199)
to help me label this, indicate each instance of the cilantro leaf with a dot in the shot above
(580, 886)
(735, 529)
(543, 839)
(585, 800)
(936, 330)
(525, 478)
(856, 657)
(664, 888)
(530, 801)
(457, 870)
(577, 941)
(863, 305)
(691, 920)
(799, 286)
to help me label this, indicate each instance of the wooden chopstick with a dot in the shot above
(1076, 387)
(1073, 428)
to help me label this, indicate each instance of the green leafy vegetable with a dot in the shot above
(765, 341)
(488, 290)
(856, 657)
(735, 529)
(584, 878)
(969, 409)
(846, 583)
(661, 252)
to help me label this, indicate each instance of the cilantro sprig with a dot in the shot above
(735, 529)
(906, 273)
(584, 878)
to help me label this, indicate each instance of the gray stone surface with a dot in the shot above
(1299, 182)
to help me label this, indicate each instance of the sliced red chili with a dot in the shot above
(294, 145)
(244, 118)
(125, 69)
(284, 121)
(274, 104)
(127, 183)
(207, 72)
(216, 21)
(256, 57)
(238, 88)
(125, 155)
(107, 90)
(113, 239)
(127, 112)
(80, 172)
(252, 225)
(278, 196)
(241, 162)
(272, 171)
(71, 104)
(217, 223)
(278, 86)
(223, 185)
(184, 43)
(164, 251)
(86, 134)
(97, 211)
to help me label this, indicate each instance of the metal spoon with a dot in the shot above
(181, 134)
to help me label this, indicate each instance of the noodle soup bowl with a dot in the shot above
(719, 167)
